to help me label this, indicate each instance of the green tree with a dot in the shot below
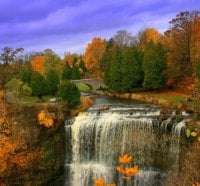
(39, 85)
(18, 88)
(154, 66)
(82, 65)
(69, 92)
(52, 62)
(75, 73)
(131, 69)
(52, 79)
(113, 75)
(67, 72)
(123, 69)
(26, 75)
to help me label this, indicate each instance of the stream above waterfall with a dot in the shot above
(113, 127)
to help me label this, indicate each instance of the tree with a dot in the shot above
(154, 66)
(67, 72)
(39, 85)
(82, 66)
(147, 35)
(93, 53)
(123, 68)
(70, 73)
(124, 39)
(26, 75)
(131, 69)
(18, 88)
(52, 62)
(8, 55)
(183, 46)
(37, 64)
(70, 59)
(69, 92)
(52, 79)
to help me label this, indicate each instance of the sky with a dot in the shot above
(69, 25)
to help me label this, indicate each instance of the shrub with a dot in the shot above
(69, 92)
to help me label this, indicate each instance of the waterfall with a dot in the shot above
(99, 137)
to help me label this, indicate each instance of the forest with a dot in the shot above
(149, 60)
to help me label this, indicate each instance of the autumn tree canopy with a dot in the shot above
(147, 35)
(37, 63)
(93, 53)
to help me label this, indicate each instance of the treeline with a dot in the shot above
(128, 67)
(149, 59)
(41, 73)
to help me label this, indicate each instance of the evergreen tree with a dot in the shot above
(131, 69)
(82, 65)
(123, 69)
(38, 85)
(52, 79)
(69, 92)
(67, 72)
(113, 75)
(154, 66)
(75, 73)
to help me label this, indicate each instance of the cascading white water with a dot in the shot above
(98, 138)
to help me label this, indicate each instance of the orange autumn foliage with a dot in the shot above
(102, 182)
(93, 53)
(45, 119)
(123, 169)
(197, 184)
(127, 172)
(37, 64)
(69, 58)
(149, 34)
(125, 159)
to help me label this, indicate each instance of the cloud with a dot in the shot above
(63, 25)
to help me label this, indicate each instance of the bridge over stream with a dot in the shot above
(94, 84)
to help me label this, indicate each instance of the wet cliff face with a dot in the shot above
(31, 154)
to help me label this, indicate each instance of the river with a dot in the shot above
(113, 127)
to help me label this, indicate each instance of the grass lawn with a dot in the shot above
(34, 99)
(173, 97)
(83, 87)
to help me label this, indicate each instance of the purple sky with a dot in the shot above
(68, 25)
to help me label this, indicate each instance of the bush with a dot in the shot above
(18, 88)
(69, 92)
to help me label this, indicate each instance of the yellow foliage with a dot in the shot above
(2, 120)
(45, 119)
(6, 149)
